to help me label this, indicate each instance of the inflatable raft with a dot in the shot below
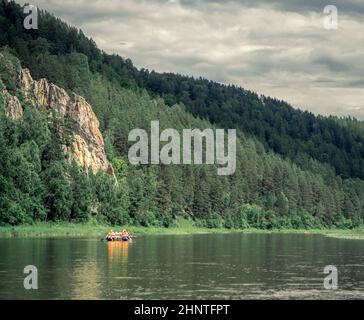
(118, 238)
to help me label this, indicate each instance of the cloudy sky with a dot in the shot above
(276, 48)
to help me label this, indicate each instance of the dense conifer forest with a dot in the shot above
(294, 169)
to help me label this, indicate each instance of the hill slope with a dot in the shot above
(267, 191)
(292, 133)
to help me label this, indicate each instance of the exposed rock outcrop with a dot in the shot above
(13, 108)
(88, 144)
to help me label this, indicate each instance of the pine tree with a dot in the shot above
(81, 194)
(58, 195)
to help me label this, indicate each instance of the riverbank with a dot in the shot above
(184, 228)
(97, 230)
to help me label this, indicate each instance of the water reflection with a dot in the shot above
(86, 275)
(237, 266)
(117, 269)
(117, 251)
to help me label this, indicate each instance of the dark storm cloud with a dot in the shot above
(333, 65)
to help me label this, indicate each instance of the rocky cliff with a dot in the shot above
(13, 108)
(88, 144)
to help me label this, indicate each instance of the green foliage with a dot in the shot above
(9, 70)
(81, 194)
(120, 169)
(58, 196)
(68, 58)
(2, 100)
(294, 170)
(10, 209)
(213, 220)
(111, 201)
(295, 134)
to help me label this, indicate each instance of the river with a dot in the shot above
(212, 266)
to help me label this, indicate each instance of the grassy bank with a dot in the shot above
(357, 233)
(184, 228)
(97, 230)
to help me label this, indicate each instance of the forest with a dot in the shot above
(294, 169)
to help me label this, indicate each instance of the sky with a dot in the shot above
(282, 49)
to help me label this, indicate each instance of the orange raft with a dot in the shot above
(118, 236)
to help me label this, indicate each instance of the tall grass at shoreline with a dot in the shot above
(95, 230)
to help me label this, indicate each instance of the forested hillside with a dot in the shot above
(294, 169)
(292, 133)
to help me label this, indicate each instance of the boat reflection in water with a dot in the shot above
(118, 251)
(118, 269)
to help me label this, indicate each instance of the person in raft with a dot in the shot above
(125, 235)
(110, 236)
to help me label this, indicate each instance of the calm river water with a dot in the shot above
(223, 266)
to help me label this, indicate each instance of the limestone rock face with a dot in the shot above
(13, 108)
(88, 144)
